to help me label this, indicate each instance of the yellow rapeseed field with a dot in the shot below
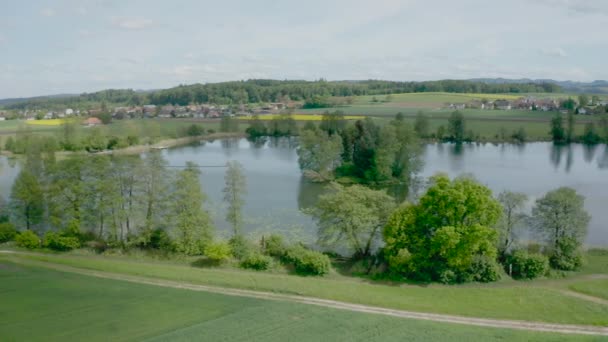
(51, 122)
(301, 117)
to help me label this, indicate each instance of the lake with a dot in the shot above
(277, 192)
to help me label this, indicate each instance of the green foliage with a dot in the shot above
(524, 265)
(256, 128)
(192, 225)
(235, 189)
(352, 217)
(27, 239)
(520, 136)
(319, 154)
(561, 220)
(317, 101)
(333, 123)
(60, 242)
(274, 246)
(7, 232)
(283, 125)
(456, 127)
(241, 247)
(455, 246)
(218, 251)
(195, 130)
(306, 261)
(160, 240)
(27, 199)
(512, 216)
(590, 137)
(422, 125)
(558, 134)
(567, 256)
(257, 261)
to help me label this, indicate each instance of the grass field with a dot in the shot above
(302, 117)
(43, 305)
(504, 300)
(594, 287)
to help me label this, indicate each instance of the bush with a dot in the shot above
(274, 246)
(306, 261)
(484, 269)
(27, 239)
(257, 261)
(218, 251)
(241, 248)
(159, 239)
(58, 242)
(7, 232)
(567, 256)
(526, 265)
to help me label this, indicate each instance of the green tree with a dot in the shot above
(570, 131)
(446, 236)
(456, 127)
(422, 125)
(512, 216)
(256, 128)
(583, 100)
(561, 221)
(333, 123)
(557, 129)
(352, 218)
(590, 137)
(235, 190)
(319, 154)
(155, 180)
(27, 199)
(191, 224)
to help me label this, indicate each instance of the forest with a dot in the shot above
(258, 90)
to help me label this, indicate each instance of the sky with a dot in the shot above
(75, 46)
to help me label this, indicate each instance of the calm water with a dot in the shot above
(277, 192)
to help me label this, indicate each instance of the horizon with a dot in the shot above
(73, 47)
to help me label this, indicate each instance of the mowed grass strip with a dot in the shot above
(516, 301)
(44, 305)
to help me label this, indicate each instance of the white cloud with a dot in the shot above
(48, 12)
(131, 23)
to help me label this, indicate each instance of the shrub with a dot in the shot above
(526, 265)
(58, 242)
(27, 239)
(218, 251)
(306, 261)
(241, 248)
(7, 232)
(448, 277)
(257, 261)
(567, 256)
(274, 246)
(484, 269)
(159, 239)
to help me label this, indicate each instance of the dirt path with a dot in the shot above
(585, 297)
(482, 322)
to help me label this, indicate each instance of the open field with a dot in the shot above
(594, 287)
(44, 305)
(51, 122)
(529, 301)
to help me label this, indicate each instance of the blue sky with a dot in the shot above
(70, 46)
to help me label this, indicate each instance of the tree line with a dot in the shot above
(260, 90)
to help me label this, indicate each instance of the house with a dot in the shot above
(92, 121)
(69, 111)
(581, 110)
(457, 106)
(502, 105)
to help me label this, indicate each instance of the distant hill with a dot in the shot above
(8, 102)
(595, 87)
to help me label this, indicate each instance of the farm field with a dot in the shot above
(541, 301)
(44, 305)
(301, 117)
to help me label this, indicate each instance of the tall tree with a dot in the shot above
(319, 154)
(422, 125)
(155, 183)
(512, 215)
(561, 220)
(352, 218)
(557, 129)
(456, 127)
(27, 199)
(570, 131)
(235, 190)
(191, 224)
